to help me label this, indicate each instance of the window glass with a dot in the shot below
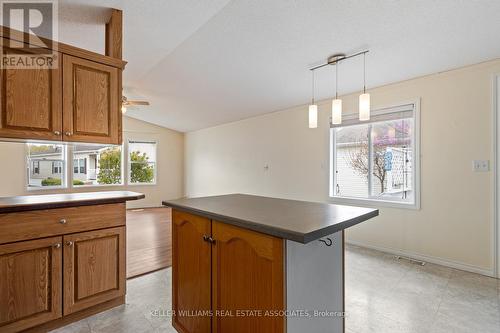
(375, 160)
(142, 162)
(45, 165)
(97, 165)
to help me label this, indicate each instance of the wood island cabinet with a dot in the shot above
(225, 271)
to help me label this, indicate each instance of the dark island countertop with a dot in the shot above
(299, 221)
(49, 201)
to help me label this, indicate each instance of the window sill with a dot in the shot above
(373, 203)
(141, 184)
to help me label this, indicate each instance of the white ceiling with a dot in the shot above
(208, 62)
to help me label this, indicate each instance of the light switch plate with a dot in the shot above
(481, 165)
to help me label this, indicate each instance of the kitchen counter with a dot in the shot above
(49, 201)
(299, 221)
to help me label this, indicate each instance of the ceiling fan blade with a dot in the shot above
(137, 103)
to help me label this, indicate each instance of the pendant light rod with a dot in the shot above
(337, 58)
(312, 88)
(364, 73)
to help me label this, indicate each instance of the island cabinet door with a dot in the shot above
(94, 268)
(247, 281)
(30, 283)
(191, 273)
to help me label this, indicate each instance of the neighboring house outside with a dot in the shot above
(48, 164)
(351, 161)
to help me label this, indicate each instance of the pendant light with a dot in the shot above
(364, 98)
(313, 108)
(336, 103)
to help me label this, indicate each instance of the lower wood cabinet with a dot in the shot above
(49, 278)
(30, 283)
(94, 267)
(191, 273)
(222, 272)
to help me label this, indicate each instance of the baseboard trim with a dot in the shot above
(429, 259)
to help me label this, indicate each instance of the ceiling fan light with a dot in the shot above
(313, 116)
(337, 111)
(364, 107)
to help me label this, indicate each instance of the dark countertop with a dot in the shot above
(49, 201)
(300, 221)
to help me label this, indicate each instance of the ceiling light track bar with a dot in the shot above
(336, 58)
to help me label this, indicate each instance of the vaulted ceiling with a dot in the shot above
(208, 62)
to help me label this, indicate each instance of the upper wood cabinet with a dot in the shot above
(77, 101)
(30, 101)
(30, 283)
(94, 268)
(91, 101)
(191, 272)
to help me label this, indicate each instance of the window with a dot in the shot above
(97, 165)
(142, 162)
(56, 167)
(376, 161)
(36, 167)
(80, 165)
(45, 166)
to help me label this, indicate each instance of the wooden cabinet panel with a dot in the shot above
(51, 222)
(94, 268)
(191, 273)
(91, 101)
(30, 101)
(247, 274)
(30, 283)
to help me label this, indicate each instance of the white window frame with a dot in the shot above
(129, 164)
(122, 181)
(369, 202)
(64, 173)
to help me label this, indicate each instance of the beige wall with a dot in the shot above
(170, 156)
(453, 226)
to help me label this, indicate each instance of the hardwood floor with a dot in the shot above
(149, 240)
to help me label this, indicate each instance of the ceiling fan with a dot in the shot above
(126, 103)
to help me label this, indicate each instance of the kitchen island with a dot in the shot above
(244, 263)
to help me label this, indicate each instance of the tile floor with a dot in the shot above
(382, 295)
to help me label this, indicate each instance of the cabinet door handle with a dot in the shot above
(63, 221)
(57, 133)
(68, 134)
(209, 239)
(69, 243)
(57, 245)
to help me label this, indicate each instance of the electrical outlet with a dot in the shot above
(481, 165)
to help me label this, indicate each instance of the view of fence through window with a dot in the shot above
(375, 160)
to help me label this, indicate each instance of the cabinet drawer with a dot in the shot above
(50, 222)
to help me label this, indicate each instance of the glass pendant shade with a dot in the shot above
(364, 107)
(313, 116)
(337, 111)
